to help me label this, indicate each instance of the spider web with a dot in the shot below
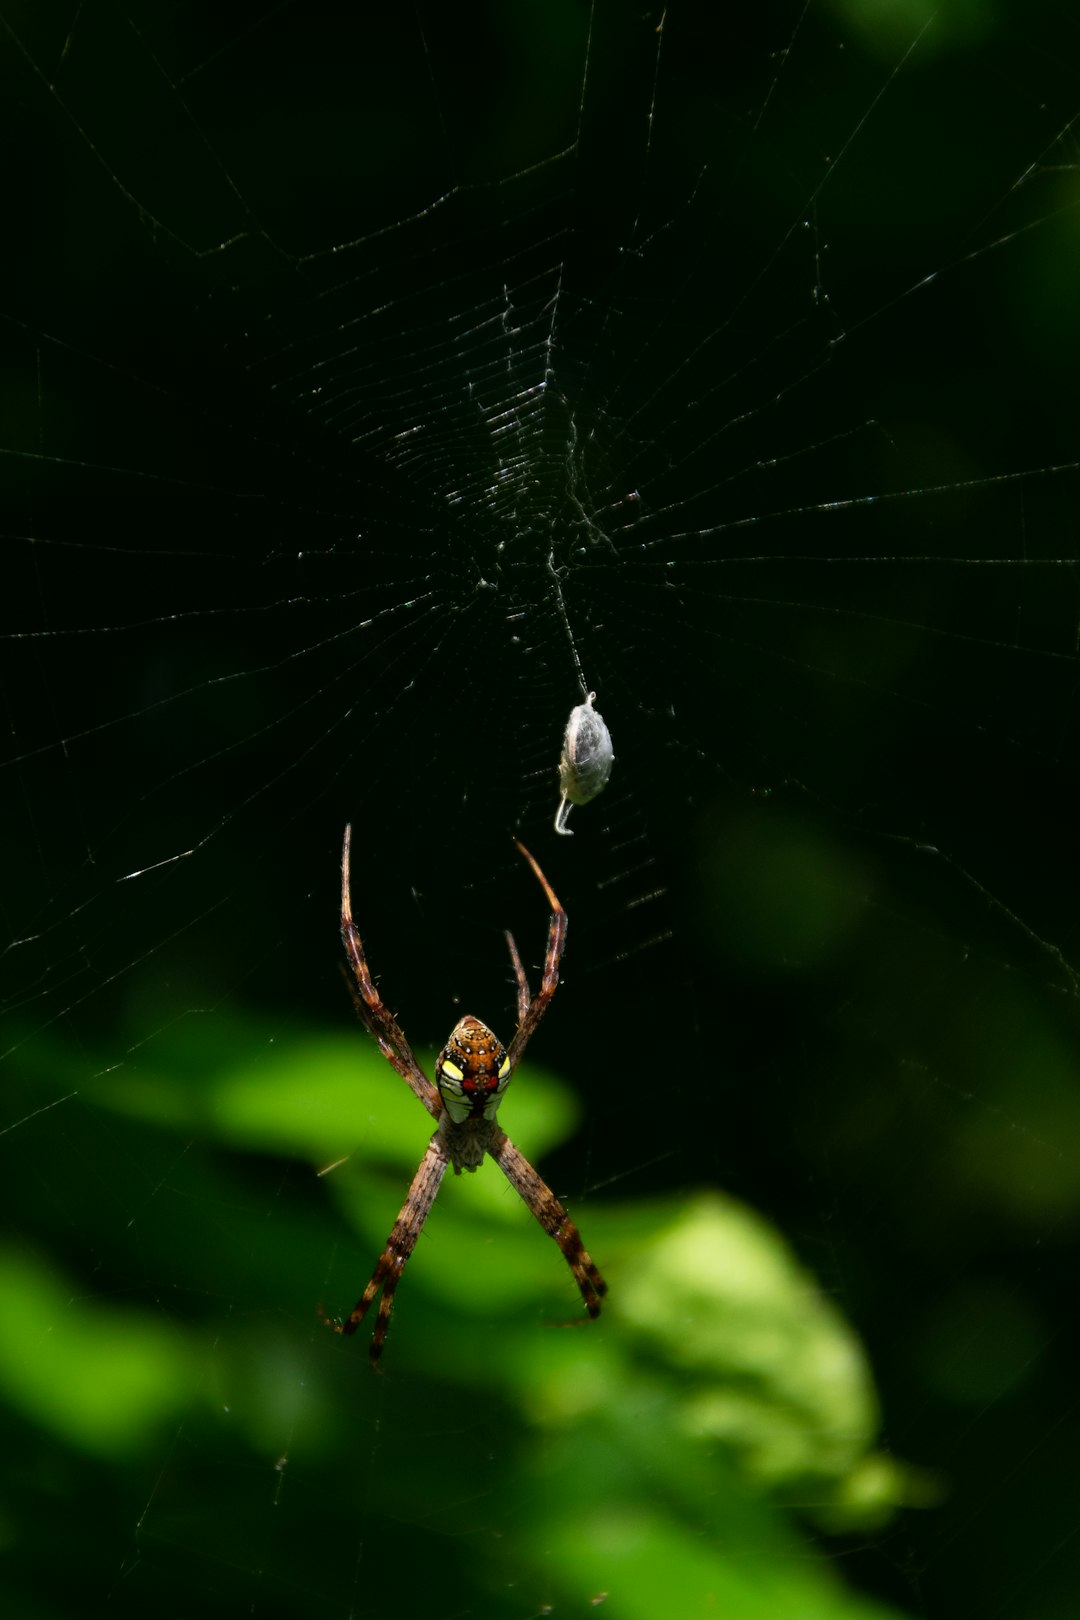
(376, 385)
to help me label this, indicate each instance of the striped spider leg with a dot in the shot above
(472, 1073)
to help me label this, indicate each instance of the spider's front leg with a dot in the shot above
(399, 1246)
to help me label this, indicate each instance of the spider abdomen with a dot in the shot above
(472, 1072)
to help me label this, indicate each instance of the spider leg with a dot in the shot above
(552, 1217)
(399, 1245)
(523, 994)
(556, 944)
(373, 1011)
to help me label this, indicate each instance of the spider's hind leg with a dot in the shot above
(399, 1246)
(551, 1214)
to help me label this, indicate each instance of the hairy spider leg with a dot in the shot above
(399, 1246)
(546, 1208)
(556, 944)
(375, 1015)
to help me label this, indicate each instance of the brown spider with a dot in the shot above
(471, 1075)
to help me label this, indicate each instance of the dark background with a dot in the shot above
(284, 504)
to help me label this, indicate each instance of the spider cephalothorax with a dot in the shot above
(471, 1074)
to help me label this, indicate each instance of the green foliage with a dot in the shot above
(108, 1396)
(663, 1455)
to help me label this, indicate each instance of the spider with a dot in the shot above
(472, 1073)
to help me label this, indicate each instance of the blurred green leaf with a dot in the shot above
(100, 1378)
(314, 1095)
(657, 1451)
(652, 1565)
